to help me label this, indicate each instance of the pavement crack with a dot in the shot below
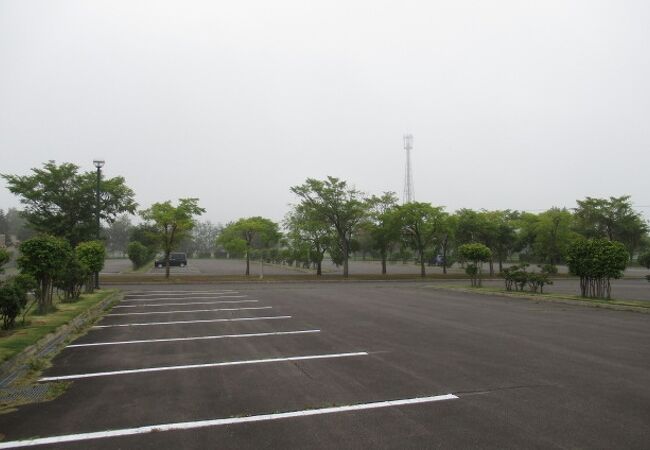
(307, 374)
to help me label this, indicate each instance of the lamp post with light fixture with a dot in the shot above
(99, 163)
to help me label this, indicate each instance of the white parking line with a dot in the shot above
(226, 421)
(160, 305)
(187, 311)
(226, 291)
(177, 298)
(202, 366)
(197, 338)
(238, 319)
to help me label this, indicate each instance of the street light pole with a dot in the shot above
(99, 163)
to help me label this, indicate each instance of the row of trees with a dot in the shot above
(330, 219)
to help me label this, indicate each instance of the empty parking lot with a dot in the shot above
(345, 365)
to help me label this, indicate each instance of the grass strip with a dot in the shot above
(617, 304)
(37, 326)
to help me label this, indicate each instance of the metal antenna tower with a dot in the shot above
(409, 193)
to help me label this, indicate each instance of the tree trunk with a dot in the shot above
(491, 268)
(383, 265)
(444, 255)
(248, 263)
(167, 264)
(422, 270)
(346, 255)
(319, 269)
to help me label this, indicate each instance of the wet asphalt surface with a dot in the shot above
(527, 374)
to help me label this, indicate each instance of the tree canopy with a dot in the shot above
(61, 201)
(170, 224)
(248, 233)
(333, 202)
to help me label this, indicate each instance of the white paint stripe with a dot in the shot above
(224, 291)
(238, 319)
(197, 338)
(161, 305)
(202, 366)
(187, 311)
(173, 294)
(221, 422)
(178, 298)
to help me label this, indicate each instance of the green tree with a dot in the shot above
(61, 201)
(612, 219)
(5, 257)
(91, 254)
(596, 262)
(447, 239)
(477, 254)
(42, 257)
(383, 226)
(309, 235)
(117, 234)
(71, 277)
(17, 226)
(170, 224)
(644, 260)
(501, 234)
(204, 236)
(248, 234)
(4, 228)
(423, 227)
(138, 254)
(332, 202)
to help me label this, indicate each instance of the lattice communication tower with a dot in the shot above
(409, 192)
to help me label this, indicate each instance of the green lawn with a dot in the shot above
(633, 304)
(16, 340)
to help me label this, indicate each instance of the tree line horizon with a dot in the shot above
(330, 219)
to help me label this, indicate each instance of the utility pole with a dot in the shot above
(99, 163)
(409, 192)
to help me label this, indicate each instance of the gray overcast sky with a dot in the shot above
(512, 104)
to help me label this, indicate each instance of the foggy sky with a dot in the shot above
(512, 104)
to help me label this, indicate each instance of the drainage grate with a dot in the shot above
(35, 393)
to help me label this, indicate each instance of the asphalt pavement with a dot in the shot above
(345, 365)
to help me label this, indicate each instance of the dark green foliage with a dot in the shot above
(42, 257)
(5, 256)
(139, 254)
(596, 262)
(332, 202)
(644, 260)
(61, 201)
(612, 219)
(517, 277)
(423, 227)
(477, 254)
(13, 298)
(72, 277)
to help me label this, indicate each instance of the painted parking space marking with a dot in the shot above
(202, 366)
(171, 294)
(238, 319)
(197, 338)
(176, 298)
(147, 313)
(225, 421)
(223, 291)
(161, 305)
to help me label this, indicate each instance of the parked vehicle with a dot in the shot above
(175, 259)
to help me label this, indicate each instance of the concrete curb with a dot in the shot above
(16, 367)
